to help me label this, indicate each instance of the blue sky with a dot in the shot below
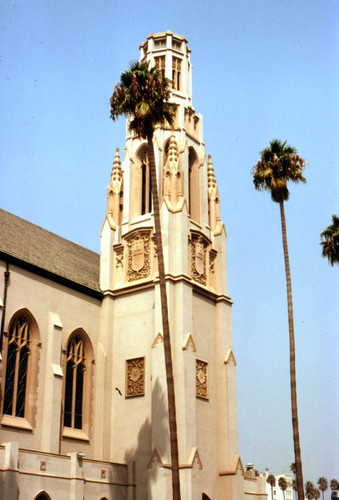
(261, 69)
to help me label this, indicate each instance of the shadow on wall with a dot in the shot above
(152, 435)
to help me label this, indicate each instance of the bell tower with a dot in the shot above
(134, 421)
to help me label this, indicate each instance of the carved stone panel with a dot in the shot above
(199, 246)
(135, 377)
(139, 261)
(201, 377)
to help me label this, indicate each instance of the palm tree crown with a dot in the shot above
(278, 164)
(331, 241)
(143, 95)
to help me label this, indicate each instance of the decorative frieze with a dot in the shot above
(201, 378)
(135, 377)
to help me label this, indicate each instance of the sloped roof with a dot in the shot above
(30, 244)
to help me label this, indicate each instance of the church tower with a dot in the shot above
(131, 412)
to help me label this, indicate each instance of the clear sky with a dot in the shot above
(262, 69)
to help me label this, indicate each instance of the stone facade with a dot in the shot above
(94, 422)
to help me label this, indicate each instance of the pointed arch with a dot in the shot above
(141, 198)
(42, 495)
(78, 369)
(194, 185)
(21, 358)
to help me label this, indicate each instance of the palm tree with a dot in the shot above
(282, 485)
(334, 484)
(309, 490)
(323, 484)
(278, 164)
(316, 493)
(143, 96)
(331, 241)
(293, 469)
(271, 481)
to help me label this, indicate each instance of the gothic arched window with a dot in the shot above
(42, 496)
(146, 191)
(176, 73)
(78, 367)
(194, 185)
(20, 380)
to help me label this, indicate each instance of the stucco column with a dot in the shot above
(77, 482)
(53, 375)
(10, 474)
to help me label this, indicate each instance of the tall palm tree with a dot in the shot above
(323, 485)
(309, 490)
(331, 241)
(278, 164)
(282, 485)
(143, 96)
(334, 484)
(271, 481)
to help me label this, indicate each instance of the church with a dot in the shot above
(83, 385)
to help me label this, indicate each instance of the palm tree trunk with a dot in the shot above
(165, 326)
(294, 406)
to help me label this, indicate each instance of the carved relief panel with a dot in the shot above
(201, 378)
(138, 254)
(199, 245)
(135, 377)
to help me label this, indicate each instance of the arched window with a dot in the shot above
(176, 73)
(78, 376)
(146, 192)
(141, 194)
(42, 496)
(194, 185)
(20, 380)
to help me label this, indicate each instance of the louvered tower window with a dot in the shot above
(176, 73)
(160, 64)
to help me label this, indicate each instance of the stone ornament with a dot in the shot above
(114, 191)
(173, 176)
(119, 256)
(199, 246)
(139, 262)
(135, 377)
(201, 377)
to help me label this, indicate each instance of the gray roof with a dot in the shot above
(44, 250)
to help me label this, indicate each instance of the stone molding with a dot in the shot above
(189, 343)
